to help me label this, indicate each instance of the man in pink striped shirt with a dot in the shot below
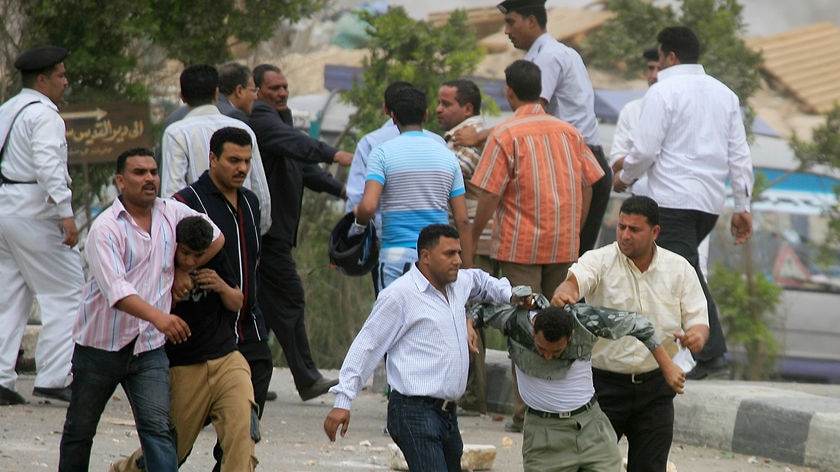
(535, 174)
(124, 320)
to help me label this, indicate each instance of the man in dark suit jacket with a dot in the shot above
(291, 162)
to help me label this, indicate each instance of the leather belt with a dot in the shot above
(445, 405)
(564, 414)
(6, 180)
(629, 378)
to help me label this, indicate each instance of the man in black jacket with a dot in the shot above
(236, 211)
(291, 162)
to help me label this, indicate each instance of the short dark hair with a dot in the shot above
(682, 41)
(198, 84)
(538, 12)
(651, 54)
(260, 70)
(409, 106)
(430, 235)
(525, 79)
(138, 151)
(466, 92)
(28, 78)
(194, 232)
(392, 90)
(641, 205)
(229, 134)
(554, 323)
(232, 74)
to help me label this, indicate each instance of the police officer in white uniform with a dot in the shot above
(38, 233)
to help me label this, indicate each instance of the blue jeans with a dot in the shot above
(393, 263)
(427, 436)
(145, 379)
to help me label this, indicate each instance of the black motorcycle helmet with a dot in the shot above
(356, 255)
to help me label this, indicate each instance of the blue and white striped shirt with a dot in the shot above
(419, 177)
(423, 333)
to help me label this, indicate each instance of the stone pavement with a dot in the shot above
(790, 423)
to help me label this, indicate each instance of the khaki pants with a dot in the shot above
(585, 442)
(219, 389)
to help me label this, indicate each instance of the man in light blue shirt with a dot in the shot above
(412, 179)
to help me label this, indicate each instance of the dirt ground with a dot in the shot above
(293, 438)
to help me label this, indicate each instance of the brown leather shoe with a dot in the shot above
(320, 387)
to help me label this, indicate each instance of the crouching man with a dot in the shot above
(565, 429)
(208, 377)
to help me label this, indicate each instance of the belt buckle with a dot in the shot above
(445, 405)
(634, 380)
(565, 414)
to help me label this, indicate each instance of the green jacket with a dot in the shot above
(592, 323)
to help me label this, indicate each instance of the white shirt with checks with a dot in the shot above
(423, 333)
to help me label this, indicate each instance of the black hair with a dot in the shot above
(430, 235)
(554, 323)
(232, 74)
(466, 92)
(198, 84)
(29, 78)
(392, 90)
(138, 151)
(651, 54)
(194, 232)
(537, 11)
(641, 205)
(409, 106)
(260, 70)
(682, 42)
(228, 134)
(524, 78)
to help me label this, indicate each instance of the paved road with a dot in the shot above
(293, 438)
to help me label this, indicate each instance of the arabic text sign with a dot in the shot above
(100, 132)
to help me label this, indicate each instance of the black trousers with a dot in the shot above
(282, 301)
(682, 231)
(644, 412)
(600, 197)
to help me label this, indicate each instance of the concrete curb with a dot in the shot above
(774, 420)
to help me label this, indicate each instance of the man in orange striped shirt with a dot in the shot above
(535, 174)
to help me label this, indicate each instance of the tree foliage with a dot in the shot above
(402, 49)
(823, 151)
(718, 23)
(117, 46)
(746, 307)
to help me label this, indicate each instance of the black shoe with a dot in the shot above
(320, 387)
(62, 394)
(10, 397)
(270, 396)
(715, 368)
(512, 428)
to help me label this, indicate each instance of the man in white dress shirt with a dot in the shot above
(690, 138)
(420, 321)
(628, 118)
(37, 227)
(186, 143)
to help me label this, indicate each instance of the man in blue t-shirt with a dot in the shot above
(412, 179)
